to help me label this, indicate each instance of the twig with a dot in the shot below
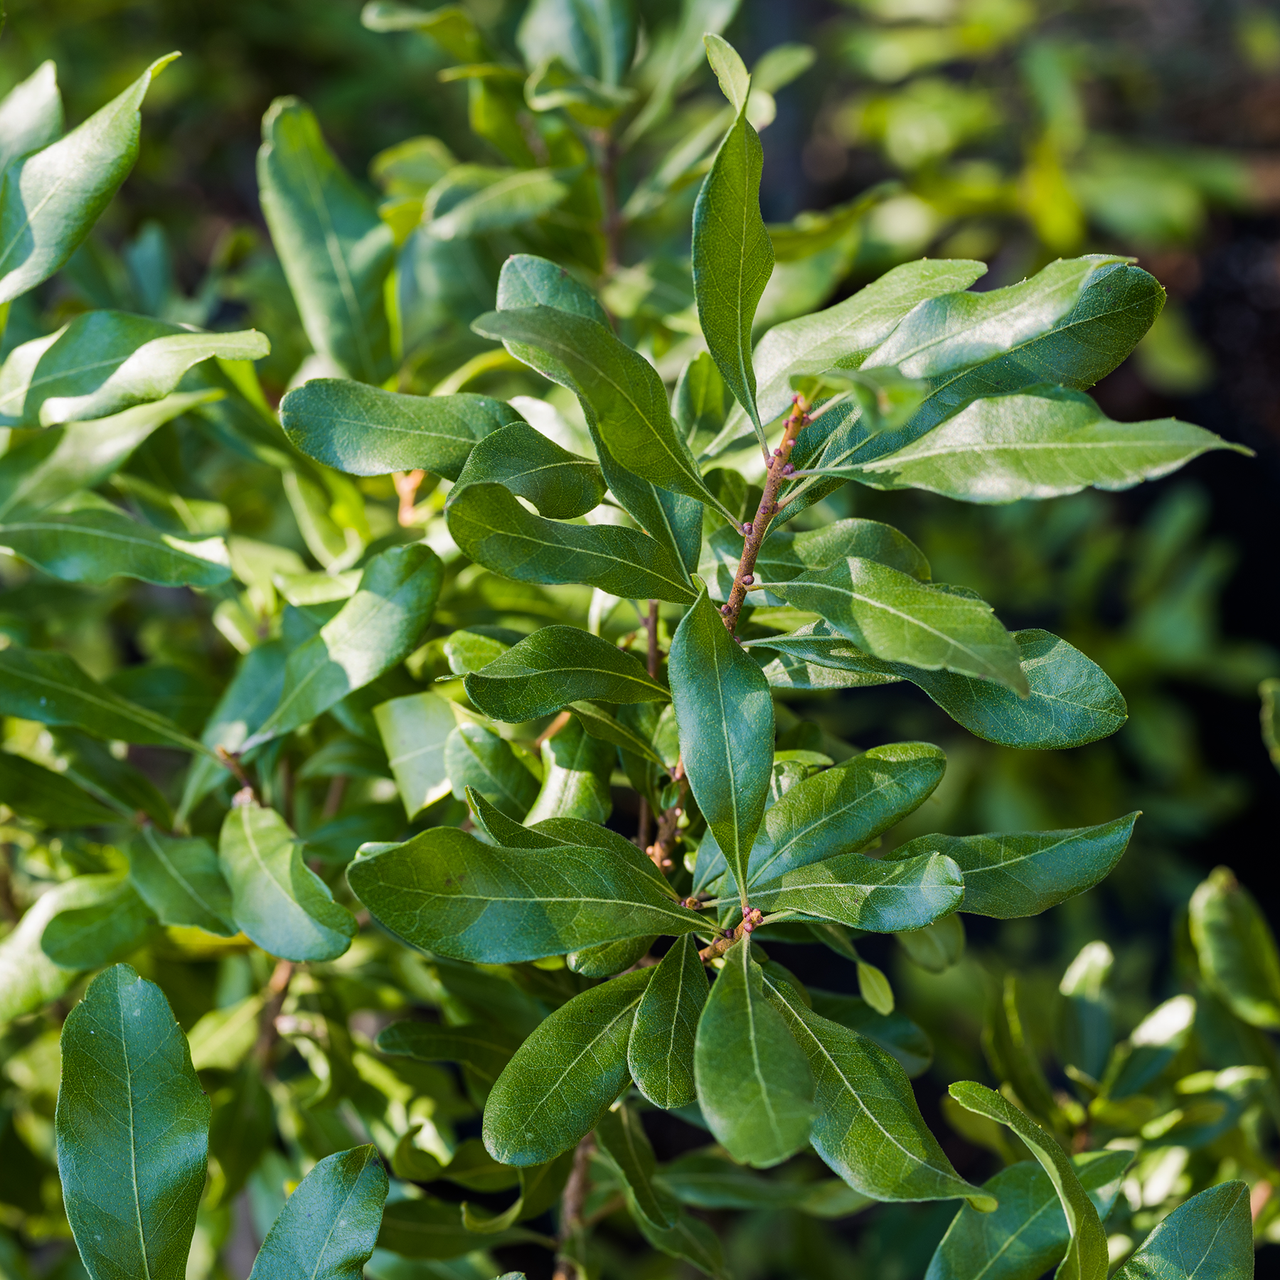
(232, 762)
(575, 1195)
(333, 798)
(406, 483)
(662, 850)
(752, 918)
(552, 729)
(277, 988)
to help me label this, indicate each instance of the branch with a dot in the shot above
(278, 988)
(752, 918)
(571, 1223)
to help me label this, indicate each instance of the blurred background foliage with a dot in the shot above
(1014, 131)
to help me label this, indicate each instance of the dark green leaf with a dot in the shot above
(104, 930)
(181, 881)
(431, 1228)
(484, 1048)
(602, 724)
(660, 1055)
(132, 1126)
(609, 959)
(575, 778)
(894, 1032)
(476, 757)
(1209, 1235)
(689, 1238)
(623, 1140)
(36, 792)
(1235, 947)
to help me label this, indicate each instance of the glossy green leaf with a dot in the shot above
(610, 959)
(575, 778)
(486, 1049)
(896, 618)
(180, 879)
(894, 1032)
(868, 1128)
(476, 757)
(414, 730)
(1210, 1234)
(474, 199)
(276, 899)
(366, 431)
(559, 483)
(36, 792)
(660, 1054)
(725, 717)
(106, 361)
(622, 1138)
(493, 529)
(376, 629)
(30, 114)
(732, 252)
(329, 1225)
(49, 200)
(1086, 1255)
(554, 667)
(48, 686)
(1152, 1046)
(755, 1087)
(132, 1127)
(1027, 1235)
(1236, 949)
(335, 250)
(446, 892)
(565, 1076)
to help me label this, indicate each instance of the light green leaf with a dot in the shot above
(446, 892)
(660, 1052)
(222, 1038)
(472, 199)
(181, 881)
(609, 959)
(730, 70)
(335, 250)
(595, 38)
(30, 114)
(276, 899)
(554, 667)
(50, 199)
(493, 529)
(565, 1076)
(898, 619)
(36, 792)
(1209, 1235)
(450, 26)
(575, 778)
(1022, 874)
(329, 1225)
(623, 1140)
(414, 730)
(868, 1128)
(475, 757)
(1236, 949)
(132, 1127)
(106, 361)
(1086, 1256)
(376, 629)
(485, 1048)
(1152, 1046)
(724, 713)
(366, 431)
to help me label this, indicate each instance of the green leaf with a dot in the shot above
(1209, 1235)
(609, 959)
(431, 1228)
(329, 1225)
(414, 730)
(660, 1055)
(49, 200)
(559, 483)
(1072, 699)
(1236, 949)
(446, 892)
(276, 899)
(937, 946)
(181, 880)
(486, 1049)
(366, 431)
(1086, 1256)
(335, 250)
(868, 1128)
(1022, 874)
(894, 1032)
(47, 686)
(106, 361)
(493, 529)
(475, 757)
(132, 1127)
(867, 893)
(724, 713)
(554, 667)
(1027, 1234)
(602, 724)
(36, 792)
(472, 200)
(575, 778)
(1041, 445)
(689, 1238)
(709, 1181)
(30, 114)
(595, 38)
(376, 629)
(623, 1140)
(897, 619)
(732, 252)
(223, 1038)
(450, 26)
(565, 1076)
(754, 1083)
(625, 391)
(1151, 1047)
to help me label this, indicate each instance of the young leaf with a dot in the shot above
(445, 891)
(732, 253)
(30, 114)
(660, 1052)
(181, 881)
(554, 667)
(493, 529)
(623, 1140)
(473, 199)
(36, 792)
(486, 1049)
(893, 617)
(377, 628)
(754, 1083)
(725, 717)
(575, 778)
(1023, 874)
(329, 1225)
(565, 1076)
(1086, 1256)
(366, 431)
(335, 250)
(276, 899)
(49, 200)
(1151, 1047)
(1236, 949)
(414, 730)
(132, 1127)
(476, 758)
(111, 926)
(868, 1128)
(1211, 1235)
